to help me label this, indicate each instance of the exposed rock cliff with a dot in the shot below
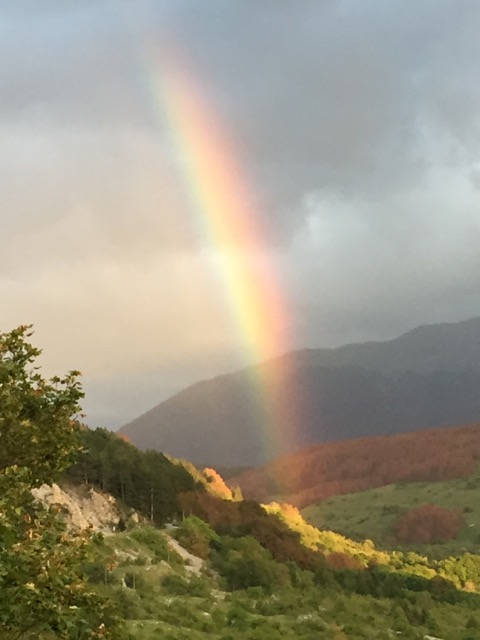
(84, 506)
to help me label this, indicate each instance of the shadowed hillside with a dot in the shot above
(346, 467)
(426, 378)
(426, 349)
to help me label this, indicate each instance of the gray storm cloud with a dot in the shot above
(356, 124)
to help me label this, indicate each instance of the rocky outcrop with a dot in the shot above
(84, 507)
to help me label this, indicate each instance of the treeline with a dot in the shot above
(148, 482)
(335, 468)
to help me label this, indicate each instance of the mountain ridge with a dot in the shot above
(425, 378)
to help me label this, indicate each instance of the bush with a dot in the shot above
(195, 535)
(244, 563)
(427, 524)
(154, 540)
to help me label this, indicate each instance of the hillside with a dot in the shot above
(426, 378)
(334, 468)
(236, 570)
(372, 513)
(426, 349)
(231, 569)
(210, 564)
(252, 598)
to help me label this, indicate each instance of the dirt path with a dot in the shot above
(194, 564)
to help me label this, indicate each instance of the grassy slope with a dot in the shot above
(370, 514)
(197, 607)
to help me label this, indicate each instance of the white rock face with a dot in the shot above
(84, 506)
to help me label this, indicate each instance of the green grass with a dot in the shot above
(159, 599)
(370, 514)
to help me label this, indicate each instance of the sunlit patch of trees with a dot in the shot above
(215, 484)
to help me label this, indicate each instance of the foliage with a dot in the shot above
(426, 524)
(154, 540)
(290, 607)
(372, 513)
(244, 563)
(216, 484)
(195, 586)
(249, 518)
(42, 586)
(38, 426)
(350, 466)
(196, 535)
(149, 482)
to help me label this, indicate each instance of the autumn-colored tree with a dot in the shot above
(216, 484)
(338, 560)
(427, 524)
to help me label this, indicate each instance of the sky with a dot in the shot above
(346, 133)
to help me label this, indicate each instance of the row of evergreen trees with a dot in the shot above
(148, 482)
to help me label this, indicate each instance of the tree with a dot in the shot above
(44, 593)
(195, 535)
(427, 524)
(38, 417)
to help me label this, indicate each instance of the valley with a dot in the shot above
(124, 544)
(251, 572)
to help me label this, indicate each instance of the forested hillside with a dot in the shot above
(148, 482)
(349, 466)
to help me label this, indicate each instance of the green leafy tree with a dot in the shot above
(43, 590)
(196, 535)
(38, 426)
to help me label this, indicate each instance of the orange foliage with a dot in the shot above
(426, 524)
(338, 560)
(217, 484)
(333, 468)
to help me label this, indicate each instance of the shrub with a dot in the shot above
(427, 524)
(195, 535)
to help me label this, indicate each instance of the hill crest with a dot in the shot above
(426, 378)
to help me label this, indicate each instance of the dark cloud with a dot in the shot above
(337, 95)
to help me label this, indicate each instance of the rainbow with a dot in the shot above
(229, 221)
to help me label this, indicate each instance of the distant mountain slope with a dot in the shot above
(335, 468)
(429, 377)
(426, 349)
